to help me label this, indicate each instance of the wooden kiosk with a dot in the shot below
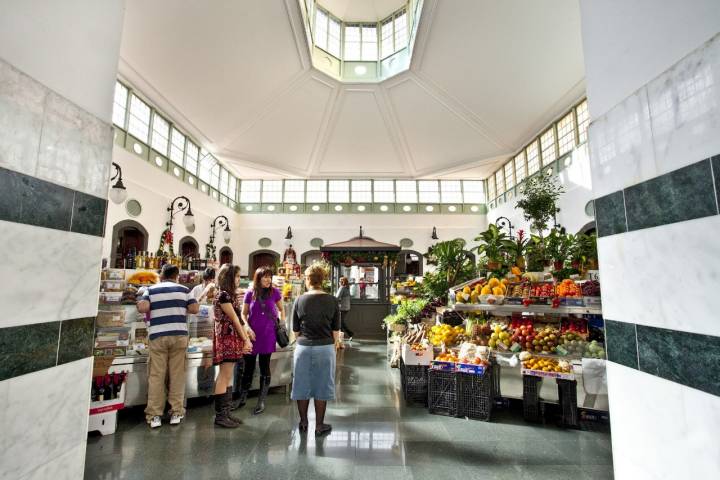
(367, 264)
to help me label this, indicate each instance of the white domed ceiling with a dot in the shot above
(486, 75)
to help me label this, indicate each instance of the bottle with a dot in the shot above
(93, 392)
(101, 389)
(138, 260)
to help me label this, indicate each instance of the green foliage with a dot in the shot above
(539, 201)
(410, 309)
(494, 244)
(559, 246)
(586, 248)
(453, 266)
(518, 247)
(537, 257)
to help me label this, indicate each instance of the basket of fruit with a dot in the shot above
(591, 292)
(446, 335)
(571, 343)
(445, 362)
(542, 293)
(569, 293)
(537, 366)
(517, 292)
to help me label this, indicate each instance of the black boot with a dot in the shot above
(230, 407)
(264, 387)
(221, 412)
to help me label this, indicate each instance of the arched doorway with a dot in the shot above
(588, 229)
(189, 247)
(226, 255)
(309, 257)
(262, 258)
(128, 237)
(410, 263)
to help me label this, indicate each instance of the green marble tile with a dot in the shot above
(76, 339)
(621, 344)
(716, 174)
(610, 214)
(683, 194)
(690, 359)
(28, 348)
(45, 204)
(88, 214)
(10, 191)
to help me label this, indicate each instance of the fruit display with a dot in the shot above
(445, 334)
(591, 288)
(415, 334)
(447, 357)
(573, 343)
(471, 354)
(519, 290)
(542, 290)
(500, 338)
(594, 350)
(524, 335)
(545, 340)
(547, 365)
(568, 288)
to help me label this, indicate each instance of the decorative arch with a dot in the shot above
(262, 257)
(127, 235)
(226, 255)
(309, 256)
(188, 246)
(588, 228)
(409, 268)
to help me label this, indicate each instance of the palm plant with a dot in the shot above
(495, 245)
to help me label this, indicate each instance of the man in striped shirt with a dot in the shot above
(168, 304)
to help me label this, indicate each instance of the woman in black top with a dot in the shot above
(316, 323)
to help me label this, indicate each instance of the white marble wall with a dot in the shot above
(44, 419)
(45, 135)
(661, 429)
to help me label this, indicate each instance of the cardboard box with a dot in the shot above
(412, 357)
(110, 318)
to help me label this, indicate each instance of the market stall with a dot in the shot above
(122, 339)
(367, 264)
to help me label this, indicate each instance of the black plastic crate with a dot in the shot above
(442, 393)
(475, 395)
(533, 408)
(567, 395)
(414, 383)
(495, 377)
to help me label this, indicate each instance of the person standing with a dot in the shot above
(343, 297)
(168, 304)
(316, 323)
(230, 342)
(206, 290)
(262, 308)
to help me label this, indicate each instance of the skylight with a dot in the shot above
(367, 51)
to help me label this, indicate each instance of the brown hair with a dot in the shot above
(315, 275)
(226, 278)
(257, 280)
(344, 282)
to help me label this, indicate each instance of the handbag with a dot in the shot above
(281, 334)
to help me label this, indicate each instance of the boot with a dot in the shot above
(242, 399)
(221, 413)
(264, 387)
(230, 407)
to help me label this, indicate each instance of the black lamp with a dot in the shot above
(288, 235)
(118, 192)
(220, 221)
(434, 234)
(178, 205)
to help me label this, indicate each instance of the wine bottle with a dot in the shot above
(101, 389)
(138, 259)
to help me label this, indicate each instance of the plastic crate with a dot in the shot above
(533, 409)
(567, 395)
(414, 383)
(495, 376)
(442, 393)
(475, 398)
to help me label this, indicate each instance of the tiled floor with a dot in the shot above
(375, 437)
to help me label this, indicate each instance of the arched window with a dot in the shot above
(309, 257)
(262, 258)
(410, 262)
(189, 247)
(226, 255)
(128, 237)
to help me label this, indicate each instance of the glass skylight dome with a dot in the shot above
(361, 51)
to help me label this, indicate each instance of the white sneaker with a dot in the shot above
(155, 422)
(176, 419)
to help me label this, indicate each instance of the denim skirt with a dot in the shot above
(314, 372)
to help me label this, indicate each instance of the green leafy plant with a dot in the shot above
(517, 248)
(560, 247)
(539, 201)
(585, 251)
(453, 265)
(537, 257)
(494, 244)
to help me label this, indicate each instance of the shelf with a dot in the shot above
(545, 309)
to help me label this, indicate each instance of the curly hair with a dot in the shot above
(315, 274)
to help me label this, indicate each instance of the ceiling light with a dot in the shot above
(383, 208)
(360, 70)
(338, 208)
(293, 208)
(158, 161)
(316, 208)
(271, 208)
(176, 171)
(474, 208)
(452, 208)
(248, 208)
(137, 148)
(361, 208)
(191, 180)
(407, 208)
(429, 208)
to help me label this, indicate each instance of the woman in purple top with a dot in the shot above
(263, 305)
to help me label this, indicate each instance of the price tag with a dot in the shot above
(515, 347)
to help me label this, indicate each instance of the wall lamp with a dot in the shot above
(178, 205)
(118, 192)
(220, 221)
(434, 234)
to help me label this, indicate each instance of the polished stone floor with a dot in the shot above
(375, 437)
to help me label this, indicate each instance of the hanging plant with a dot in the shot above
(539, 201)
(166, 238)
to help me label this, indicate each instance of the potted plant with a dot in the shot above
(559, 247)
(453, 265)
(536, 255)
(539, 201)
(517, 248)
(494, 244)
(585, 255)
